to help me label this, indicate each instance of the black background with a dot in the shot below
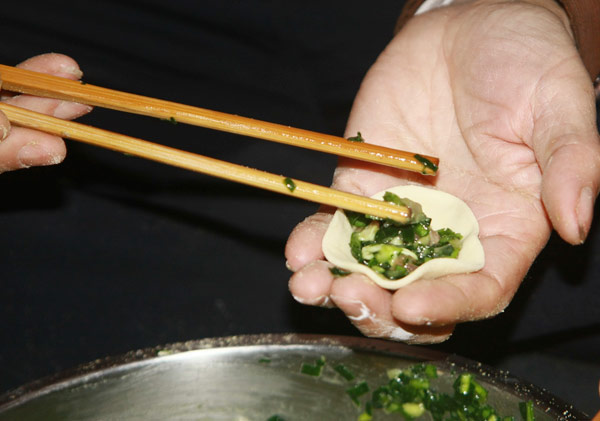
(107, 253)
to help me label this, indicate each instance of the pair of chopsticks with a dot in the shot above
(39, 84)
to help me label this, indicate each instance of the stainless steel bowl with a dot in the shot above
(251, 378)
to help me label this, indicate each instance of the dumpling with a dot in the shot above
(444, 210)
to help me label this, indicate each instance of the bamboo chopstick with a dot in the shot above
(33, 83)
(202, 164)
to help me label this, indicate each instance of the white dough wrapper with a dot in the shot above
(445, 211)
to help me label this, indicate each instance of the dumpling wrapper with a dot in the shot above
(445, 211)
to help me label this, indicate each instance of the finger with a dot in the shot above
(567, 147)
(4, 126)
(54, 107)
(56, 65)
(304, 244)
(311, 284)
(368, 307)
(25, 148)
(570, 185)
(466, 297)
(53, 64)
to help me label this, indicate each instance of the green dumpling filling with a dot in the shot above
(394, 250)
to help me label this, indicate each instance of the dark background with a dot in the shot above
(108, 253)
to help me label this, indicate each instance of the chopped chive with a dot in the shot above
(426, 163)
(343, 371)
(526, 409)
(289, 183)
(170, 120)
(357, 138)
(365, 417)
(393, 373)
(264, 360)
(357, 391)
(409, 393)
(431, 371)
(367, 414)
(313, 369)
(335, 271)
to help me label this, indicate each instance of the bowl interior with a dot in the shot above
(253, 378)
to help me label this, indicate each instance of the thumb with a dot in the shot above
(567, 148)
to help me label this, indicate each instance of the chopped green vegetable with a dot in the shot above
(335, 271)
(170, 120)
(409, 393)
(313, 369)
(343, 371)
(394, 250)
(265, 361)
(356, 391)
(289, 183)
(357, 219)
(526, 409)
(367, 415)
(357, 138)
(426, 163)
(430, 371)
(413, 410)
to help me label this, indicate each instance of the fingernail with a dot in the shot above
(585, 211)
(35, 154)
(3, 132)
(72, 70)
(322, 301)
(66, 109)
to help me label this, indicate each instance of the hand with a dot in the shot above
(24, 148)
(597, 416)
(498, 92)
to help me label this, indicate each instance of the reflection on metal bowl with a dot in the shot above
(251, 378)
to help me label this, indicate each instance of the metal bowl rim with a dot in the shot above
(499, 378)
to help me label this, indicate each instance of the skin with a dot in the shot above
(597, 416)
(497, 90)
(24, 148)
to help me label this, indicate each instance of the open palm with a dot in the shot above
(497, 91)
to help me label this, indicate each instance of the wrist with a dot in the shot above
(580, 18)
(556, 7)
